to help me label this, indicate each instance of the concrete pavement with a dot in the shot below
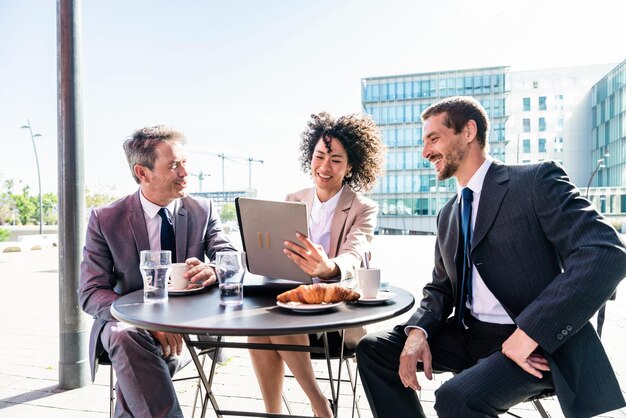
(29, 349)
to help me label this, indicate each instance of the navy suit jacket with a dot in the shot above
(552, 261)
(115, 236)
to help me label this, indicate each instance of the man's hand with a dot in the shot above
(520, 348)
(415, 349)
(311, 258)
(199, 273)
(172, 344)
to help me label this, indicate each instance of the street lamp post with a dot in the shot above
(599, 165)
(32, 138)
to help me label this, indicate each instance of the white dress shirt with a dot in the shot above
(485, 307)
(153, 220)
(320, 222)
(321, 219)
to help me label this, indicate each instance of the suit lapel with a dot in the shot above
(181, 224)
(493, 192)
(339, 219)
(137, 224)
(307, 198)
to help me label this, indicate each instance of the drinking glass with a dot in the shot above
(155, 268)
(230, 268)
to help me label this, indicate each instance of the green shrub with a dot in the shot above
(4, 234)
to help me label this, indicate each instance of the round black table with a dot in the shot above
(200, 313)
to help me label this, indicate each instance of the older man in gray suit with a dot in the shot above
(525, 262)
(144, 361)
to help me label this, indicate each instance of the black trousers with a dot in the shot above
(486, 383)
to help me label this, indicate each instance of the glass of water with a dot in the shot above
(230, 268)
(155, 268)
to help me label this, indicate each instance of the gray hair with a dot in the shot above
(140, 148)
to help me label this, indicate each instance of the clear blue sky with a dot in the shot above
(242, 77)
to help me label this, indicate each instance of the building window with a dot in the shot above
(559, 124)
(558, 144)
(542, 124)
(559, 102)
(542, 145)
(526, 124)
(526, 146)
(526, 104)
(542, 103)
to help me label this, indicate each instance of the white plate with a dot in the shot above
(184, 291)
(307, 307)
(380, 298)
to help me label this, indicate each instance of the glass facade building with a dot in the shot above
(409, 194)
(608, 137)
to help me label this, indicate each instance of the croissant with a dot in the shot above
(318, 293)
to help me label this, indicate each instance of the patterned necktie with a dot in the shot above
(466, 232)
(168, 241)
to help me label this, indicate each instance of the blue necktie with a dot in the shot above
(168, 241)
(466, 232)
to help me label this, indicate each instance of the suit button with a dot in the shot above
(568, 327)
(564, 332)
(559, 336)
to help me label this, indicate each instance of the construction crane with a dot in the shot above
(234, 159)
(201, 175)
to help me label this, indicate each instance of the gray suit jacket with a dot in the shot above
(115, 236)
(552, 261)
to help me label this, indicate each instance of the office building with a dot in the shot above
(550, 118)
(608, 143)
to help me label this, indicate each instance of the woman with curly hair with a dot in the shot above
(344, 156)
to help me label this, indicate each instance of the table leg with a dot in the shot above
(206, 382)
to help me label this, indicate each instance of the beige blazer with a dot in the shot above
(351, 234)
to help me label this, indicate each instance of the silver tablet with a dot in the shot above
(264, 225)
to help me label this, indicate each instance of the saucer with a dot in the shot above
(382, 297)
(182, 292)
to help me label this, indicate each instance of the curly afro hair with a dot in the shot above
(361, 139)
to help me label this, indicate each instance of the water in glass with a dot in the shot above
(155, 268)
(230, 272)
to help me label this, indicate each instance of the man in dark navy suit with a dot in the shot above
(524, 262)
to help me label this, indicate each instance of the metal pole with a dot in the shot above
(599, 165)
(73, 329)
(32, 138)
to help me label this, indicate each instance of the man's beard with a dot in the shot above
(452, 162)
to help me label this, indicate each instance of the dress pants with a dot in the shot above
(144, 385)
(486, 383)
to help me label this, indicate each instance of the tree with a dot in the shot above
(25, 205)
(95, 200)
(228, 213)
(50, 212)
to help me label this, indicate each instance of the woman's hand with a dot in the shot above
(311, 258)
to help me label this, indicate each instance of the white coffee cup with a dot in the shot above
(177, 280)
(369, 282)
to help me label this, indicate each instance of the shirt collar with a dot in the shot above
(330, 204)
(152, 209)
(475, 183)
